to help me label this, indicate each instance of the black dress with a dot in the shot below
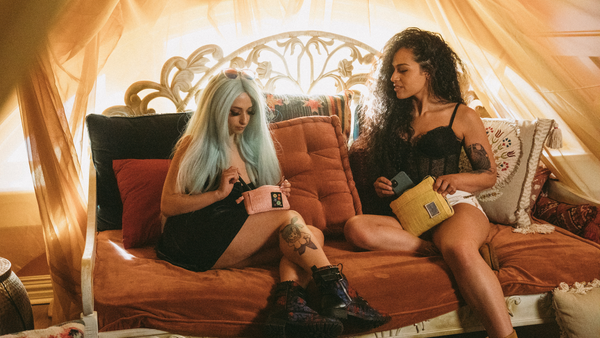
(197, 239)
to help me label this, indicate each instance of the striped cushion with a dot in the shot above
(288, 106)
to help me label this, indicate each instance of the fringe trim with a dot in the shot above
(535, 228)
(578, 288)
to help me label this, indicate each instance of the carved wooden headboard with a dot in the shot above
(302, 62)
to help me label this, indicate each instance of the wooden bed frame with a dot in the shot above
(303, 62)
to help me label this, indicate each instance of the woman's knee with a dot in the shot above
(459, 252)
(317, 234)
(356, 232)
(291, 222)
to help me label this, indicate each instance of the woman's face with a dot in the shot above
(240, 113)
(408, 78)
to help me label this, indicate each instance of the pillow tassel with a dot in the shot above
(555, 138)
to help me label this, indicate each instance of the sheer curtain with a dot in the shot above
(515, 51)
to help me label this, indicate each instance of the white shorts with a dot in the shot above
(464, 197)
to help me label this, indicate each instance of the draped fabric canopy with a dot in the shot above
(526, 58)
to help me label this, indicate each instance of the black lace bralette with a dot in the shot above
(437, 143)
(435, 153)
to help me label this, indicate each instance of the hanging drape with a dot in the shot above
(501, 40)
(514, 50)
(66, 68)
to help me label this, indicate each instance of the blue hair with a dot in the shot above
(208, 153)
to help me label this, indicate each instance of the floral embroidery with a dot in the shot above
(272, 102)
(314, 105)
(506, 146)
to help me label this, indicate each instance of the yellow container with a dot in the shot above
(421, 208)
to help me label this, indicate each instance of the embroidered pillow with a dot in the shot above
(140, 185)
(517, 146)
(287, 106)
(70, 329)
(581, 219)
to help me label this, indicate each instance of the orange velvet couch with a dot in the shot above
(134, 289)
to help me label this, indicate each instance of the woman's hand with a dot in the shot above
(446, 184)
(383, 187)
(286, 187)
(228, 178)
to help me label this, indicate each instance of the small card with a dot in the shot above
(276, 200)
(432, 209)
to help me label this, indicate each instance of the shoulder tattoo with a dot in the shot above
(480, 160)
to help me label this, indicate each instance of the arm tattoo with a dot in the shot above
(479, 158)
(294, 237)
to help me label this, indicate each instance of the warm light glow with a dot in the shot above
(126, 255)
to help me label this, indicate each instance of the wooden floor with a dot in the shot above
(42, 321)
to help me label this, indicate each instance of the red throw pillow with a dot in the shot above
(541, 176)
(140, 184)
(580, 219)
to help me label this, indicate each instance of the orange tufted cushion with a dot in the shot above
(315, 161)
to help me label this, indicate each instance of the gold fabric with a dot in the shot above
(527, 59)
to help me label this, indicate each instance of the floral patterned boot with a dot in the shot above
(339, 300)
(291, 317)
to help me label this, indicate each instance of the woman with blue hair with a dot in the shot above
(227, 142)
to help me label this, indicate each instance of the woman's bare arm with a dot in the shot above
(174, 203)
(478, 151)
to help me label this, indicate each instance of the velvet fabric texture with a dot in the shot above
(135, 289)
(313, 155)
(140, 184)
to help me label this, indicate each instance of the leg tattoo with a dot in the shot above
(294, 237)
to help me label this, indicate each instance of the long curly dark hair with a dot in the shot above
(385, 117)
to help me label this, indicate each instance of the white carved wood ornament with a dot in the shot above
(294, 62)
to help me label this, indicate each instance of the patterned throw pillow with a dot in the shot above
(539, 179)
(581, 219)
(71, 329)
(287, 106)
(517, 146)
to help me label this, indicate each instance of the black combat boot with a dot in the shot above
(340, 301)
(291, 317)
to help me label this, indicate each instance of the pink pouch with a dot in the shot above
(264, 198)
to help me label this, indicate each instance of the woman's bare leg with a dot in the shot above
(459, 239)
(291, 271)
(373, 232)
(266, 236)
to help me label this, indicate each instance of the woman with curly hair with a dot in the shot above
(415, 120)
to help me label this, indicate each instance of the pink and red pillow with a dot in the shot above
(140, 185)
